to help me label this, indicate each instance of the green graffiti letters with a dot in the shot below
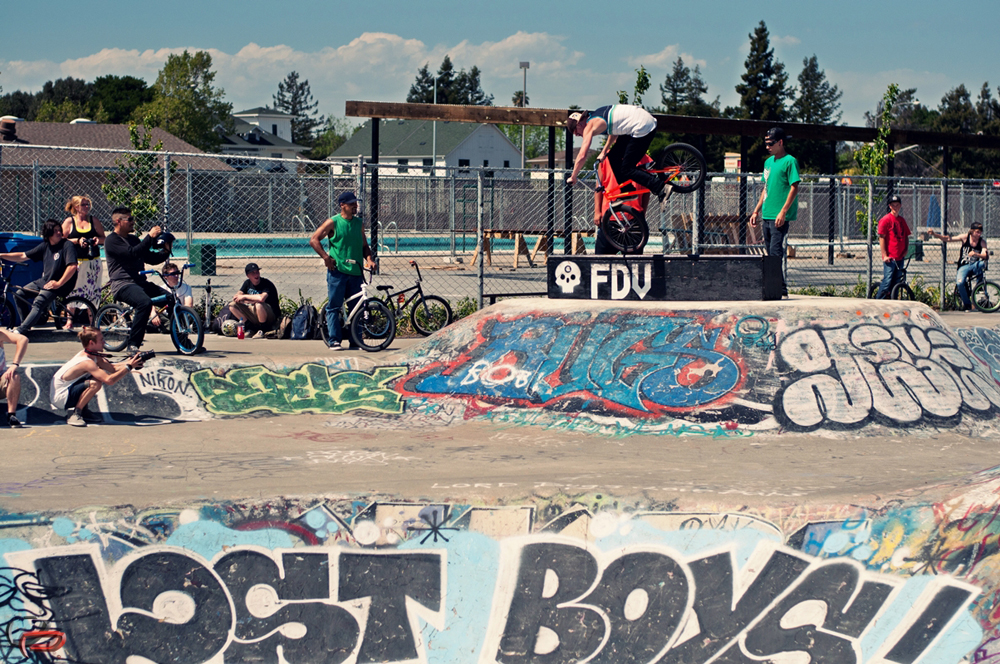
(310, 388)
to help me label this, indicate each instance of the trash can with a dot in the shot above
(24, 273)
(202, 256)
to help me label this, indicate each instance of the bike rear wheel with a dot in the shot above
(902, 292)
(77, 310)
(687, 166)
(115, 322)
(986, 297)
(374, 326)
(185, 330)
(429, 314)
(625, 229)
(8, 318)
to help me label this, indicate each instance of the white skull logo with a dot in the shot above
(567, 276)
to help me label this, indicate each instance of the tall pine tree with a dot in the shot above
(295, 98)
(682, 93)
(764, 90)
(817, 102)
(453, 87)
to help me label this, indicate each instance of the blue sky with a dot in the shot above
(579, 53)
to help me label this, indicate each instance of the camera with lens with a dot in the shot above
(145, 355)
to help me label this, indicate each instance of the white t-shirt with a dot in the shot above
(183, 291)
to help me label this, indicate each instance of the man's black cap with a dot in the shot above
(251, 267)
(775, 134)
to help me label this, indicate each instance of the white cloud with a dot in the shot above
(665, 59)
(787, 40)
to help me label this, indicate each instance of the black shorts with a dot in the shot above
(75, 390)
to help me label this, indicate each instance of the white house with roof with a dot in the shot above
(262, 133)
(409, 146)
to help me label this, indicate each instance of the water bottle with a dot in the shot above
(239, 331)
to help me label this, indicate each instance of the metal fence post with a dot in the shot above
(451, 214)
(831, 218)
(871, 208)
(270, 205)
(944, 245)
(479, 233)
(189, 185)
(36, 198)
(166, 188)
(696, 239)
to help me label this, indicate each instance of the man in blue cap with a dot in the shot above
(348, 249)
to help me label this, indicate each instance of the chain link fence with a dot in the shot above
(476, 233)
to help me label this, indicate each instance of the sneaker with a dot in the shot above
(75, 420)
(13, 422)
(258, 335)
(335, 346)
(90, 416)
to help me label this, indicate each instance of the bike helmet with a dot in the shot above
(229, 328)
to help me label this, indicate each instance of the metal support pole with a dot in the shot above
(190, 210)
(451, 213)
(329, 191)
(36, 198)
(479, 234)
(831, 204)
(871, 209)
(373, 196)
(166, 188)
(550, 225)
(270, 205)
(568, 197)
(744, 164)
(700, 200)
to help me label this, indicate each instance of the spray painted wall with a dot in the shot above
(560, 579)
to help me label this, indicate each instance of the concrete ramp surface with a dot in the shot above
(801, 365)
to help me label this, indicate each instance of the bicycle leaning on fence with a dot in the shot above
(428, 313)
(74, 309)
(371, 324)
(186, 331)
(679, 165)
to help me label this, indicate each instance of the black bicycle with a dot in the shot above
(985, 295)
(186, 331)
(428, 313)
(75, 310)
(900, 291)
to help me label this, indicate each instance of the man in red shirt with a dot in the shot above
(894, 240)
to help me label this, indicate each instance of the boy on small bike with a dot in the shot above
(971, 258)
(894, 241)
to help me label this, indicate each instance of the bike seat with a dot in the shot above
(384, 288)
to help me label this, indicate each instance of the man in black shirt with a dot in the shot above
(58, 273)
(127, 256)
(256, 303)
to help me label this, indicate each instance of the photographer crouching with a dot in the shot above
(79, 380)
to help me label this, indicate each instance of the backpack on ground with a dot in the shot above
(283, 330)
(224, 315)
(305, 323)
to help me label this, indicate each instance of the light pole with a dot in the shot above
(524, 97)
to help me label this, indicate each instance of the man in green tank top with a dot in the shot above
(348, 249)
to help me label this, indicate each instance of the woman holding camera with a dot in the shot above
(87, 233)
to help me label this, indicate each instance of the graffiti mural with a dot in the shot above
(564, 579)
(984, 342)
(620, 362)
(310, 388)
(844, 375)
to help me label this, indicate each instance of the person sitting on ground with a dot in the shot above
(972, 258)
(79, 380)
(630, 130)
(10, 381)
(256, 303)
(58, 274)
(126, 256)
(182, 291)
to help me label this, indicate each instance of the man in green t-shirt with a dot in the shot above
(778, 203)
(348, 248)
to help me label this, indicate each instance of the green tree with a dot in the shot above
(461, 87)
(295, 98)
(187, 104)
(640, 88)
(137, 183)
(516, 99)
(70, 110)
(683, 93)
(817, 102)
(63, 89)
(334, 133)
(872, 157)
(121, 95)
(764, 90)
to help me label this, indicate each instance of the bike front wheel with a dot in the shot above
(429, 314)
(986, 297)
(685, 166)
(77, 310)
(374, 327)
(7, 318)
(625, 229)
(186, 331)
(115, 323)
